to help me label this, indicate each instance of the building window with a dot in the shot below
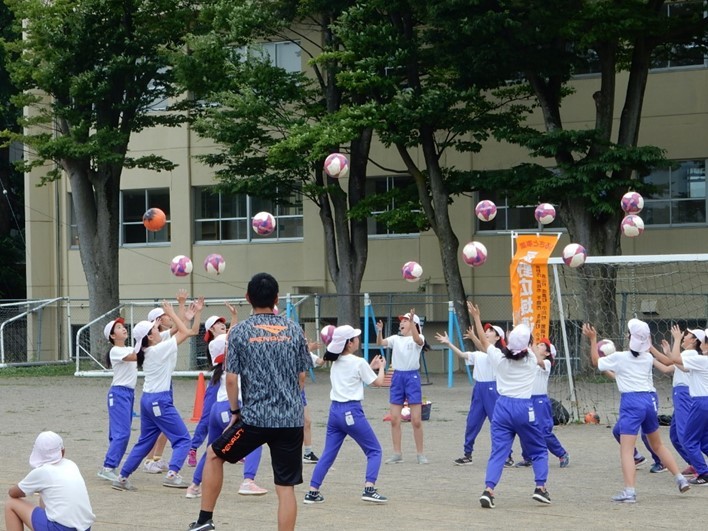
(680, 198)
(133, 205)
(73, 225)
(388, 194)
(221, 217)
(516, 218)
(284, 54)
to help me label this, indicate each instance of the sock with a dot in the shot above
(156, 457)
(369, 489)
(314, 492)
(204, 517)
(630, 490)
(308, 450)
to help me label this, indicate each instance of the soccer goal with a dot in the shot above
(607, 292)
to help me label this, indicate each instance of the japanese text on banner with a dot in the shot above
(530, 291)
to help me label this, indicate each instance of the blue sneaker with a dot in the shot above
(656, 468)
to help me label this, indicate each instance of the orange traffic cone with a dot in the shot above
(198, 399)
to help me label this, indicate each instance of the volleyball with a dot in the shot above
(326, 334)
(181, 266)
(405, 414)
(605, 347)
(474, 254)
(545, 213)
(336, 166)
(154, 219)
(263, 223)
(411, 271)
(485, 210)
(574, 255)
(592, 418)
(214, 264)
(632, 203)
(632, 226)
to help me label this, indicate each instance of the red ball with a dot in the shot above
(154, 219)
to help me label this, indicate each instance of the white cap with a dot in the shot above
(519, 338)
(698, 333)
(108, 329)
(217, 349)
(416, 319)
(140, 330)
(639, 340)
(211, 321)
(155, 313)
(497, 329)
(47, 449)
(340, 336)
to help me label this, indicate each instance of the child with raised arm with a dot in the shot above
(516, 366)
(158, 413)
(346, 416)
(638, 408)
(405, 382)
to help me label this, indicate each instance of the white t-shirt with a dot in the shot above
(540, 383)
(698, 375)
(348, 376)
(633, 375)
(315, 359)
(405, 353)
(483, 370)
(160, 362)
(166, 334)
(514, 377)
(63, 492)
(680, 377)
(125, 373)
(221, 394)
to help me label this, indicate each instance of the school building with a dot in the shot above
(675, 118)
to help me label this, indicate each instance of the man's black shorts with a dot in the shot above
(285, 446)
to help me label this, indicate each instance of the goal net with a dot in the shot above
(607, 292)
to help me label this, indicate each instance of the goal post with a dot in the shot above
(607, 292)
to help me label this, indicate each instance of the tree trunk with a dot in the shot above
(96, 207)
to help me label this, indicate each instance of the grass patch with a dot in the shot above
(38, 371)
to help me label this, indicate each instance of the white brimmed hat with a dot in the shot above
(211, 321)
(217, 349)
(640, 336)
(497, 329)
(108, 329)
(140, 330)
(519, 338)
(155, 313)
(340, 336)
(47, 449)
(698, 333)
(416, 319)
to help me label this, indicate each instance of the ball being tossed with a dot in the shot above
(336, 166)
(474, 254)
(412, 271)
(485, 210)
(574, 255)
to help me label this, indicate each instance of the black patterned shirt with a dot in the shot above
(269, 352)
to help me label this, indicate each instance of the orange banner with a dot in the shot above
(530, 290)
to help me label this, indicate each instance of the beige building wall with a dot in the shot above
(675, 118)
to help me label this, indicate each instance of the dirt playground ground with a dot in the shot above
(437, 496)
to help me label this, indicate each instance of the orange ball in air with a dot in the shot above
(154, 219)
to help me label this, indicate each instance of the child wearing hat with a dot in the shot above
(121, 396)
(638, 407)
(405, 382)
(516, 366)
(542, 405)
(64, 500)
(348, 375)
(214, 326)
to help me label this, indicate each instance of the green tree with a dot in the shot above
(88, 70)
(275, 128)
(421, 105)
(541, 46)
(12, 265)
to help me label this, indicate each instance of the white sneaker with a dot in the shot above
(249, 488)
(194, 491)
(175, 481)
(107, 474)
(152, 467)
